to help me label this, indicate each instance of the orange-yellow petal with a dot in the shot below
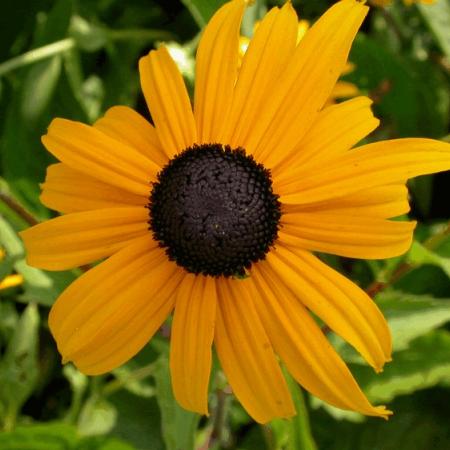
(345, 235)
(191, 341)
(247, 357)
(68, 190)
(216, 70)
(341, 304)
(265, 59)
(96, 154)
(337, 129)
(292, 106)
(168, 101)
(128, 126)
(372, 165)
(108, 314)
(382, 202)
(80, 238)
(302, 346)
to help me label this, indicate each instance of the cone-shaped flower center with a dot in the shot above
(214, 211)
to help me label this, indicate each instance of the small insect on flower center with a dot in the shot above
(214, 211)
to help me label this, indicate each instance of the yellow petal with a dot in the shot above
(265, 59)
(96, 154)
(128, 126)
(341, 304)
(372, 165)
(168, 101)
(301, 344)
(191, 341)
(382, 202)
(216, 70)
(344, 89)
(108, 314)
(247, 357)
(67, 190)
(344, 235)
(80, 238)
(337, 129)
(292, 107)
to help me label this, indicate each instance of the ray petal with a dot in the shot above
(191, 342)
(247, 356)
(216, 70)
(341, 304)
(168, 101)
(128, 126)
(80, 238)
(292, 107)
(302, 346)
(68, 190)
(108, 314)
(264, 61)
(345, 235)
(378, 164)
(98, 155)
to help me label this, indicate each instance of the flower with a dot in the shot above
(215, 212)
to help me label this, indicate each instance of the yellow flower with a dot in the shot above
(214, 212)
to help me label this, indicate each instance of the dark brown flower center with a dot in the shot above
(214, 211)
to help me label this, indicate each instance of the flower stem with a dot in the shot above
(136, 375)
(36, 54)
(18, 209)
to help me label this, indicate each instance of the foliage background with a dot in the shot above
(76, 58)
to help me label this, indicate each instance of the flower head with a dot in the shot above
(214, 213)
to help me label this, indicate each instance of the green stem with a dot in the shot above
(136, 375)
(140, 35)
(18, 209)
(66, 44)
(36, 54)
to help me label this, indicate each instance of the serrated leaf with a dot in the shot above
(178, 425)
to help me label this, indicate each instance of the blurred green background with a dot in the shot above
(76, 58)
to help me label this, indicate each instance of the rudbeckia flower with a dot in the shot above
(214, 213)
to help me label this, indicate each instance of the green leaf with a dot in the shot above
(178, 425)
(89, 37)
(202, 10)
(409, 317)
(39, 86)
(18, 368)
(437, 16)
(300, 435)
(49, 436)
(97, 417)
(56, 436)
(396, 83)
(418, 254)
(424, 364)
(138, 421)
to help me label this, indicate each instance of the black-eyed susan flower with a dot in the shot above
(214, 212)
